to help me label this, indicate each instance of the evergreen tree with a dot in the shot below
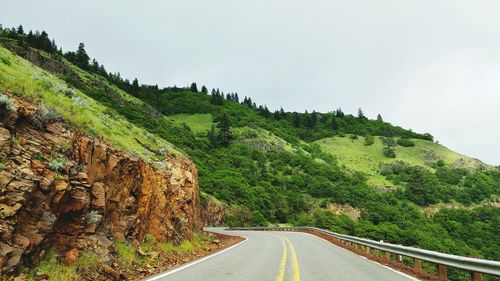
(379, 118)
(194, 88)
(313, 120)
(335, 124)
(360, 114)
(135, 86)
(220, 134)
(339, 113)
(296, 119)
(20, 30)
(82, 59)
(204, 89)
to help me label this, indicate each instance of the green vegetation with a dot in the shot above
(199, 123)
(273, 167)
(368, 159)
(56, 270)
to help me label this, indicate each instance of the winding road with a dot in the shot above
(280, 256)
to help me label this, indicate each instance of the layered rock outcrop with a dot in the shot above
(213, 212)
(63, 190)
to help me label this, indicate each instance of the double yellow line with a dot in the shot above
(295, 268)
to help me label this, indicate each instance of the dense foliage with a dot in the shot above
(294, 182)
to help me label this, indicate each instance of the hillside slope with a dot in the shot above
(74, 174)
(354, 154)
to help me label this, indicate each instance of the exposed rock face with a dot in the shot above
(97, 194)
(213, 212)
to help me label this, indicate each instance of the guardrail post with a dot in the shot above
(476, 276)
(417, 264)
(443, 273)
(377, 252)
(367, 249)
(387, 255)
(399, 258)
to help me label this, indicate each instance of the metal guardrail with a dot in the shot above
(473, 265)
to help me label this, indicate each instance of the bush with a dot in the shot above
(6, 104)
(57, 164)
(389, 152)
(238, 216)
(369, 140)
(406, 142)
(353, 137)
(43, 116)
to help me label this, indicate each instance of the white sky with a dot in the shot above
(432, 66)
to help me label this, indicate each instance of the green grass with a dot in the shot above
(199, 123)
(58, 270)
(30, 82)
(367, 159)
(259, 138)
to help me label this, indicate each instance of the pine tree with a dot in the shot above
(204, 89)
(379, 118)
(82, 59)
(335, 124)
(339, 113)
(135, 87)
(296, 119)
(360, 114)
(194, 88)
(20, 30)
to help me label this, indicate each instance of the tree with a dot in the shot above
(82, 59)
(296, 120)
(204, 89)
(20, 30)
(193, 87)
(388, 149)
(369, 140)
(379, 118)
(220, 134)
(339, 113)
(335, 124)
(135, 86)
(361, 115)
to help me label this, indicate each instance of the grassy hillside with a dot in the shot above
(199, 123)
(22, 78)
(354, 154)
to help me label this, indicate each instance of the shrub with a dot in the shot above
(353, 137)
(389, 152)
(92, 217)
(6, 104)
(43, 116)
(369, 140)
(406, 142)
(57, 164)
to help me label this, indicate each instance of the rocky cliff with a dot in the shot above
(63, 190)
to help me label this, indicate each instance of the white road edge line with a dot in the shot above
(390, 268)
(161, 275)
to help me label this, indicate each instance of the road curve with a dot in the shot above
(281, 256)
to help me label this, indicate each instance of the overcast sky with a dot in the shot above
(429, 65)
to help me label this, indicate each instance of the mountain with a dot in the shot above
(333, 170)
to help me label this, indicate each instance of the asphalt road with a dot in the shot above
(280, 256)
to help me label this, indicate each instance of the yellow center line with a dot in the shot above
(295, 262)
(281, 274)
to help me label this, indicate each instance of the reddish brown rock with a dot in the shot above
(99, 196)
(71, 256)
(61, 185)
(102, 192)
